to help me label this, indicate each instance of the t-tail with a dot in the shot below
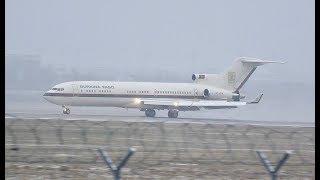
(234, 77)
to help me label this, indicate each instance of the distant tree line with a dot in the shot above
(25, 72)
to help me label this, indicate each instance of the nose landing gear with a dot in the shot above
(66, 110)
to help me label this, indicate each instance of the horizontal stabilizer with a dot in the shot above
(257, 100)
(260, 62)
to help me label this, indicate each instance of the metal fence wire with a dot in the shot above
(56, 148)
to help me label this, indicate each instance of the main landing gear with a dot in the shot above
(66, 110)
(150, 112)
(173, 113)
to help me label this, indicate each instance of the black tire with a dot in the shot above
(173, 113)
(150, 112)
(66, 111)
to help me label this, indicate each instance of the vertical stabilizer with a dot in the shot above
(234, 77)
(239, 72)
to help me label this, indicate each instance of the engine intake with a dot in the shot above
(198, 76)
(206, 93)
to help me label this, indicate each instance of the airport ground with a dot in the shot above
(53, 146)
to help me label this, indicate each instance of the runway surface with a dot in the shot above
(142, 118)
(43, 143)
(50, 145)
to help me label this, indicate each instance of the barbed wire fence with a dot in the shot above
(56, 148)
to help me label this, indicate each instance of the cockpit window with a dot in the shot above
(58, 89)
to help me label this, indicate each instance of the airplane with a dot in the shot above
(208, 91)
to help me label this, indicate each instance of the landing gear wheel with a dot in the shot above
(173, 113)
(150, 112)
(66, 111)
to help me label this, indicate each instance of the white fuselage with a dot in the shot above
(210, 91)
(127, 94)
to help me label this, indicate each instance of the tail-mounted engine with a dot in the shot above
(206, 93)
(198, 76)
(220, 94)
(237, 96)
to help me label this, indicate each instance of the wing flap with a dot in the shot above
(192, 103)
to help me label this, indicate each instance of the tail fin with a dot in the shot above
(240, 71)
(234, 77)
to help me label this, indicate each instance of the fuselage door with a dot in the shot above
(155, 93)
(195, 93)
(75, 90)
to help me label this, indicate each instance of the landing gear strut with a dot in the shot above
(150, 112)
(66, 110)
(173, 113)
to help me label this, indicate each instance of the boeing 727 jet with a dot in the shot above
(209, 91)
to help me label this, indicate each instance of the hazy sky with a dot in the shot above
(144, 34)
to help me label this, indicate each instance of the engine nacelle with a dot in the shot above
(206, 93)
(237, 96)
(219, 94)
(198, 76)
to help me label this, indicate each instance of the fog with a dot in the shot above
(49, 42)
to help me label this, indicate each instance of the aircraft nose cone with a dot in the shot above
(45, 96)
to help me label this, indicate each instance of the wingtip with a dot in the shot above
(259, 97)
(257, 100)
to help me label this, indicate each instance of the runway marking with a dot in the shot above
(65, 155)
(179, 164)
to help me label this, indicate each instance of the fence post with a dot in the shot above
(273, 172)
(116, 169)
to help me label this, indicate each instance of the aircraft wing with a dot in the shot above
(178, 102)
(194, 104)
